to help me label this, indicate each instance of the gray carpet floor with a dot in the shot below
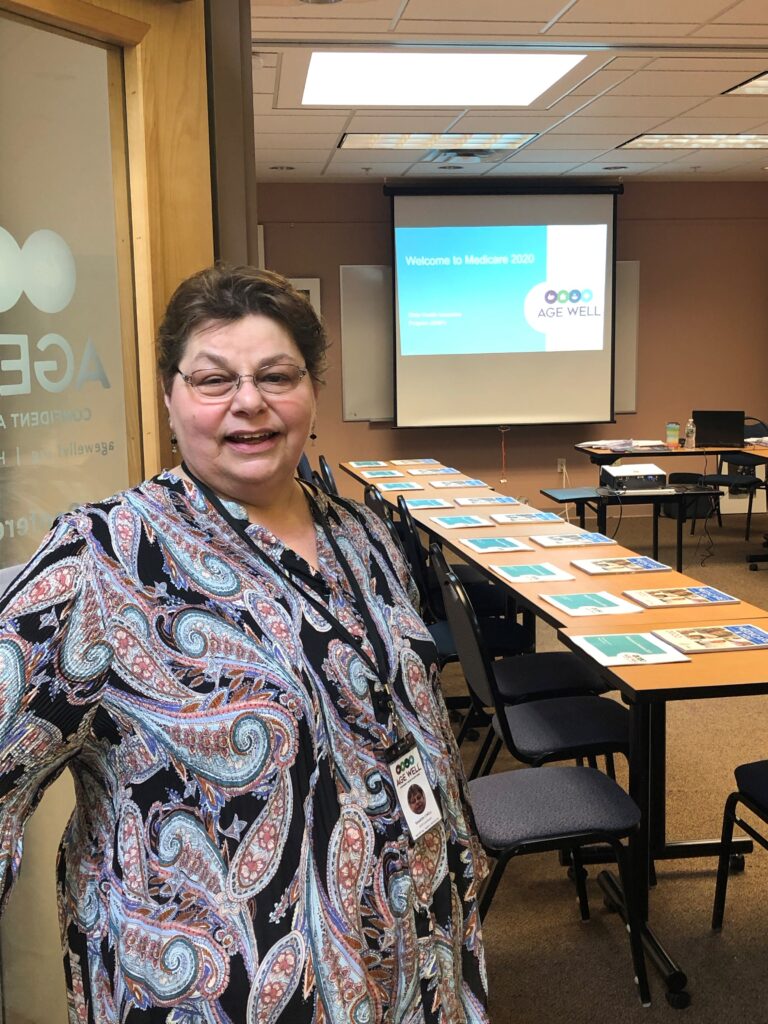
(544, 964)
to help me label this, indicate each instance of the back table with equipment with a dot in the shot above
(644, 688)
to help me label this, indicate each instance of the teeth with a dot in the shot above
(250, 437)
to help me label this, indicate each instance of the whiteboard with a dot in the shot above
(367, 340)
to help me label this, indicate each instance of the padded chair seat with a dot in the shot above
(752, 781)
(487, 597)
(742, 480)
(568, 726)
(541, 804)
(443, 640)
(543, 675)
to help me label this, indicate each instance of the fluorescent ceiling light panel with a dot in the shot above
(396, 79)
(756, 87)
(427, 140)
(697, 142)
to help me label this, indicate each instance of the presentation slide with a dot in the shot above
(506, 288)
(504, 307)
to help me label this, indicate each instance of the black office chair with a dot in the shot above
(489, 599)
(752, 792)
(736, 471)
(327, 475)
(304, 469)
(534, 731)
(696, 507)
(561, 808)
(526, 677)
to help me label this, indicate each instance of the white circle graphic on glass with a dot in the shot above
(11, 276)
(49, 271)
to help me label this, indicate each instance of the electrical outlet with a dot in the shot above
(561, 465)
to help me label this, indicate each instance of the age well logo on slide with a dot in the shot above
(568, 308)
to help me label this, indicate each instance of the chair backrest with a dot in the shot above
(319, 483)
(327, 475)
(304, 469)
(416, 556)
(473, 655)
(753, 427)
(374, 499)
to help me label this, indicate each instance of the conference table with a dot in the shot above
(606, 456)
(601, 498)
(646, 689)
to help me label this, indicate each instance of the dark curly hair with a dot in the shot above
(224, 294)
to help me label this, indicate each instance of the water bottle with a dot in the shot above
(690, 433)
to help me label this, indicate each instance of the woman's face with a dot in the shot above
(245, 446)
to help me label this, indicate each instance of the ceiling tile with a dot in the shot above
(442, 11)
(710, 125)
(367, 157)
(710, 62)
(601, 143)
(616, 12)
(755, 33)
(297, 140)
(531, 170)
(605, 125)
(732, 106)
(264, 80)
(353, 8)
(677, 83)
(605, 30)
(600, 82)
(282, 121)
(407, 121)
(505, 122)
(474, 29)
(557, 156)
(636, 106)
(748, 12)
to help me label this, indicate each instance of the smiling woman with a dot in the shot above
(229, 662)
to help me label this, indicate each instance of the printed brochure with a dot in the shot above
(542, 572)
(432, 471)
(419, 503)
(526, 517)
(679, 597)
(415, 462)
(379, 474)
(635, 563)
(489, 545)
(600, 602)
(369, 463)
(455, 522)
(700, 639)
(458, 483)
(490, 499)
(628, 649)
(401, 485)
(570, 540)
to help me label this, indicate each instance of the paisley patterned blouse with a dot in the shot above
(236, 855)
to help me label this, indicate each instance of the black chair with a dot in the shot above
(374, 499)
(752, 792)
(304, 469)
(736, 471)
(561, 808)
(327, 475)
(696, 507)
(502, 636)
(582, 726)
(489, 599)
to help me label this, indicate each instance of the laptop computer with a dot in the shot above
(718, 429)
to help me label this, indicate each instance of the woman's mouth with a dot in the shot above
(252, 440)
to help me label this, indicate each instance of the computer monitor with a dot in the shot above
(719, 429)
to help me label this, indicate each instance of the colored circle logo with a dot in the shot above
(566, 295)
(43, 267)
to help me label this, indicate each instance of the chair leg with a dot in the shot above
(719, 513)
(492, 883)
(610, 767)
(749, 512)
(729, 815)
(477, 767)
(627, 877)
(580, 881)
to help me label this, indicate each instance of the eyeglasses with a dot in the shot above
(215, 385)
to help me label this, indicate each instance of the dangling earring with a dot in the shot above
(174, 444)
(313, 435)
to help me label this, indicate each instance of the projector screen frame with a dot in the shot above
(475, 189)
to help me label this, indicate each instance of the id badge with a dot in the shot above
(414, 793)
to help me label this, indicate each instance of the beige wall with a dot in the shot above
(703, 334)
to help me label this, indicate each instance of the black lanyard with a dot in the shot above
(379, 666)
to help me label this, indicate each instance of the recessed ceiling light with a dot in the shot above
(697, 142)
(282, 167)
(399, 79)
(757, 86)
(432, 140)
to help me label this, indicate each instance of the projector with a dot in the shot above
(642, 477)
